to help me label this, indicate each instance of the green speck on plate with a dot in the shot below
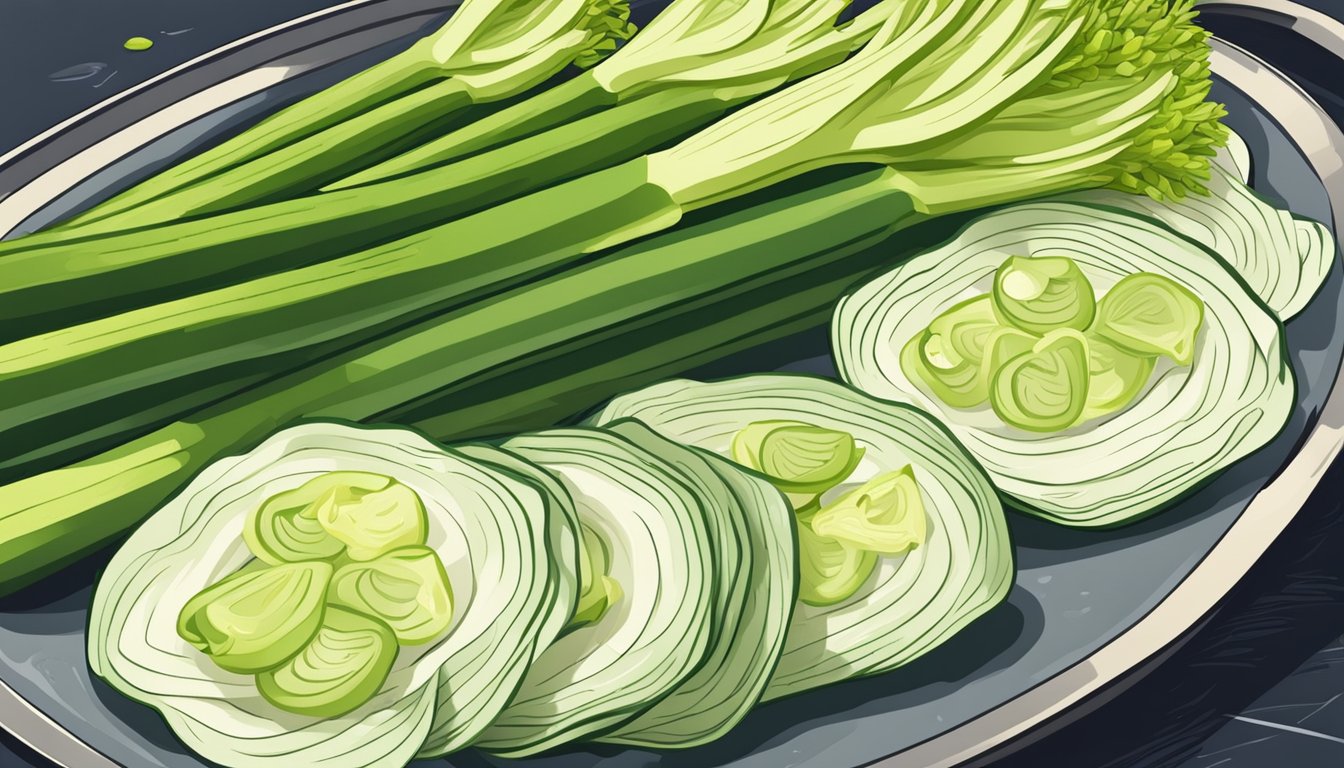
(137, 44)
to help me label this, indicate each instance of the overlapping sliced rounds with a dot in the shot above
(492, 532)
(751, 526)
(912, 602)
(1284, 258)
(597, 676)
(1191, 422)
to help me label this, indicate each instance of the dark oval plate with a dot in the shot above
(1090, 611)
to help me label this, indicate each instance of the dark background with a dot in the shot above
(1262, 684)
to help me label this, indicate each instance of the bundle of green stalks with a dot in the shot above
(125, 388)
(692, 63)
(528, 309)
(487, 51)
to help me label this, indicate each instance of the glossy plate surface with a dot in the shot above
(1089, 610)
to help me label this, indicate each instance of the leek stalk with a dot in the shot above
(486, 51)
(55, 280)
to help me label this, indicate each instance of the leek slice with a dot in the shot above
(346, 663)
(1186, 425)
(1116, 377)
(406, 589)
(949, 357)
(911, 602)
(595, 677)
(1042, 293)
(494, 532)
(830, 572)
(1151, 314)
(254, 621)
(285, 529)
(374, 518)
(1044, 390)
(884, 515)
(801, 459)
(1006, 344)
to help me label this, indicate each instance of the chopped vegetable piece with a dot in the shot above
(751, 528)
(630, 658)
(506, 545)
(884, 515)
(949, 357)
(829, 571)
(254, 621)
(600, 591)
(138, 44)
(1042, 293)
(372, 516)
(284, 529)
(1046, 389)
(1006, 344)
(930, 359)
(407, 589)
(797, 456)
(1152, 315)
(1117, 377)
(346, 663)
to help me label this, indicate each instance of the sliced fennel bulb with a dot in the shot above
(492, 531)
(912, 602)
(598, 675)
(751, 527)
(1188, 422)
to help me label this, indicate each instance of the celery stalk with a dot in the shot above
(777, 248)
(486, 51)
(54, 286)
(62, 384)
(704, 57)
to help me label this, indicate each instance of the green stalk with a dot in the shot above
(571, 100)
(348, 98)
(301, 167)
(693, 62)
(55, 286)
(49, 383)
(50, 519)
(487, 50)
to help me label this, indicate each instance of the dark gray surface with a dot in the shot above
(1038, 558)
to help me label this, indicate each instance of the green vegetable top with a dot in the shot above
(976, 102)
(498, 47)
(751, 44)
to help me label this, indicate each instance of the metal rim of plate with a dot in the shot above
(52, 162)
